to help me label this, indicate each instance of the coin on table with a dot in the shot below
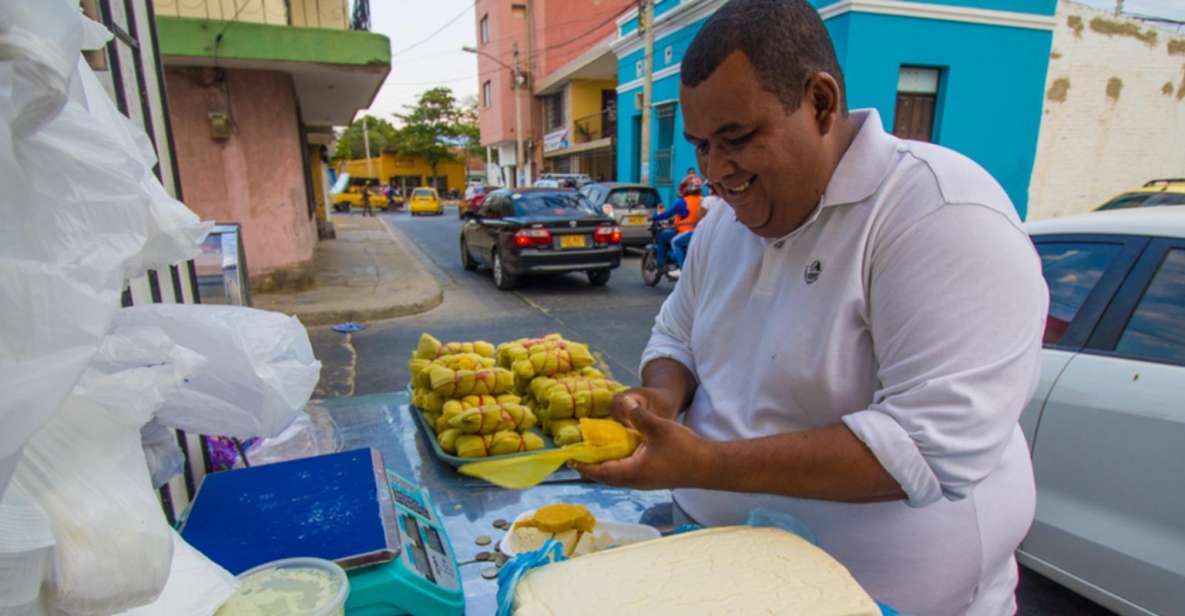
(489, 573)
(501, 524)
(485, 556)
(483, 540)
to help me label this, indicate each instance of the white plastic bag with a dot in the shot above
(164, 455)
(257, 369)
(26, 543)
(86, 469)
(83, 213)
(197, 586)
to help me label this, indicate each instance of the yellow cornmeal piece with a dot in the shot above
(560, 517)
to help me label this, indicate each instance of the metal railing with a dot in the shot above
(361, 16)
(595, 126)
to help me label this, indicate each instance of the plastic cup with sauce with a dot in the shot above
(290, 587)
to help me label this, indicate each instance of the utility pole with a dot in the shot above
(532, 69)
(1118, 8)
(366, 142)
(519, 171)
(647, 17)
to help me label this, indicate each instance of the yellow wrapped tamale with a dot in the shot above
(510, 352)
(431, 348)
(474, 445)
(509, 441)
(483, 420)
(448, 383)
(550, 362)
(565, 431)
(448, 440)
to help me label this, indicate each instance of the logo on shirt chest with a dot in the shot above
(812, 271)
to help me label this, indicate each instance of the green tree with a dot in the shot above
(430, 127)
(351, 146)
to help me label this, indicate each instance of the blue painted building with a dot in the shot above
(967, 74)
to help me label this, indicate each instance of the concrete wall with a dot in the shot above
(256, 177)
(1114, 114)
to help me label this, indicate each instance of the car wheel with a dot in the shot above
(502, 279)
(467, 261)
(650, 272)
(599, 277)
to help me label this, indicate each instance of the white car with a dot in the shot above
(1107, 424)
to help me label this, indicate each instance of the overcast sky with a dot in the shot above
(421, 59)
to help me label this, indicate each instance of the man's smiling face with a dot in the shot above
(770, 165)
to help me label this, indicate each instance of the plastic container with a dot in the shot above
(290, 587)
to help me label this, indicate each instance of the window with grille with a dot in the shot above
(917, 99)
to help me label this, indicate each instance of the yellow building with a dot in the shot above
(580, 124)
(409, 172)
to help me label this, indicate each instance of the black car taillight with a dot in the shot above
(607, 235)
(526, 238)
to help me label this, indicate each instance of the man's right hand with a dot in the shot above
(659, 401)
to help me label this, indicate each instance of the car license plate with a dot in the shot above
(572, 241)
(635, 220)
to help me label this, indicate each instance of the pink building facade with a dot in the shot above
(256, 177)
(558, 41)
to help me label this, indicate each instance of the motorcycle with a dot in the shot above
(652, 272)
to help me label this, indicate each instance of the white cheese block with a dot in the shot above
(726, 570)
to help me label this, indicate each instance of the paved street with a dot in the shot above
(614, 319)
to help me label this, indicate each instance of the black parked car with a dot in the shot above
(540, 231)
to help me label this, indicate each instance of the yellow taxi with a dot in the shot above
(1163, 191)
(425, 201)
(347, 193)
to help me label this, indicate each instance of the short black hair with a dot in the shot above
(785, 40)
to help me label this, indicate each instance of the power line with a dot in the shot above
(436, 31)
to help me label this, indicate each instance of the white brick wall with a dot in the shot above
(1093, 146)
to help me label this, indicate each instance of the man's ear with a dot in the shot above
(822, 94)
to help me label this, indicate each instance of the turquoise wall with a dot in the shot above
(990, 91)
(1033, 7)
(992, 83)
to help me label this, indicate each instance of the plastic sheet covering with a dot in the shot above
(312, 433)
(197, 586)
(83, 213)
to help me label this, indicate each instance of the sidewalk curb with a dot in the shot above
(426, 292)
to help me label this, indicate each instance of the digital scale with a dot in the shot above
(345, 507)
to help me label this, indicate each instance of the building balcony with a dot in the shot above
(335, 70)
(327, 14)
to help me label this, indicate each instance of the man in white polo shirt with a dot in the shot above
(853, 340)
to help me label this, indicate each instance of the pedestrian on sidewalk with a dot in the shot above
(367, 209)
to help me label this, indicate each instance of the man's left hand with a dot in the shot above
(670, 455)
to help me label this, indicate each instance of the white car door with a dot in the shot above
(1109, 450)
